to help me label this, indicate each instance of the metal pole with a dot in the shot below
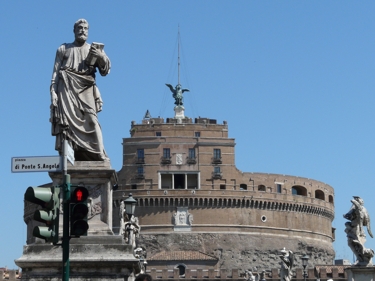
(66, 198)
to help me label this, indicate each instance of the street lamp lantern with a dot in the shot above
(305, 260)
(130, 203)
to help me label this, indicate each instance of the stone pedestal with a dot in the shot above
(100, 255)
(359, 273)
(179, 112)
(94, 259)
(98, 177)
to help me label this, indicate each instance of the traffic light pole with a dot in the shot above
(66, 234)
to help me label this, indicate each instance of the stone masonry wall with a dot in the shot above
(240, 251)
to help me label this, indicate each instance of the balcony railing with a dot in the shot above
(166, 160)
(217, 175)
(216, 160)
(191, 160)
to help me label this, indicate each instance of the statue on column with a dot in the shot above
(287, 261)
(129, 228)
(141, 254)
(75, 97)
(358, 218)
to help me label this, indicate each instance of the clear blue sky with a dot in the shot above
(293, 79)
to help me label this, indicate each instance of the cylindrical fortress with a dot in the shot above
(191, 197)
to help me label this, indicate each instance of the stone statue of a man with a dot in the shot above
(75, 98)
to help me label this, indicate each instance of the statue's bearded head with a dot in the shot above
(81, 30)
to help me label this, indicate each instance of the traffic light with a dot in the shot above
(48, 199)
(78, 212)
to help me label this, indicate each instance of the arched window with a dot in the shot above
(243, 186)
(330, 199)
(299, 190)
(181, 269)
(319, 194)
(261, 187)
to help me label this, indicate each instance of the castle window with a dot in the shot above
(140, 170)
(222, 186)
(158, 134)
(197, 134)
(181, 270)
(243, 186)
(166, 159)
(299, 190)
(191, 158)
(261, 187)
(319, 194)
(278, 188)
(217, 156)
(192, 153)
(216, 173)
(217, 153)
(166, 153)
(140, 155)
(134, 186)
(330, 199)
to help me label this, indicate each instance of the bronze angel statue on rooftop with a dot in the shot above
(177, 93)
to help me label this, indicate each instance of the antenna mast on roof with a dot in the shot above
(178, 91)
(178, 41)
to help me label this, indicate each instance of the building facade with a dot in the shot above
(191, 197)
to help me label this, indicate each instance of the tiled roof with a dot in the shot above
(181, 256)
(341, 268)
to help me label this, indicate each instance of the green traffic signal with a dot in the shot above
(48, 199)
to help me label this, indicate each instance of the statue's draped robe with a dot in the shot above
(75, 117)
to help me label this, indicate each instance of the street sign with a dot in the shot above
(36, 164)
(69, 152)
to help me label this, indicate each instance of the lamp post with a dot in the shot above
(305, 260)
(130, 205)
(129, 226)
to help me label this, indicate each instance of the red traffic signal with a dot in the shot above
(79, 195)
(78, 212)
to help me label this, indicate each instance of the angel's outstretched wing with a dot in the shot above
(170, 87)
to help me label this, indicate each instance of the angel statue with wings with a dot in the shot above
(177, 93)
(287, 260)
(358, 218)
